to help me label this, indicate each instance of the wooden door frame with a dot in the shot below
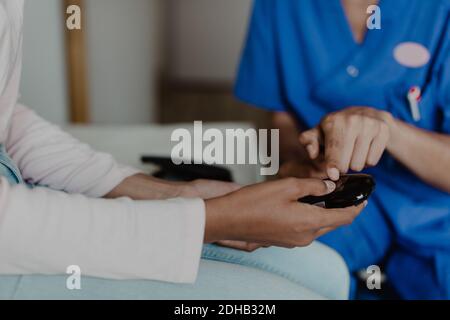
(76, 61)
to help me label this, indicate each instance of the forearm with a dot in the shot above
(44, 231)
(48, 156)
(426, 154)
(144, 187)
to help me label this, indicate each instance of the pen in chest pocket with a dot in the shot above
(414, 97)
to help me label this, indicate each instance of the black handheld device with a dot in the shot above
(351, 190)
(187, 172)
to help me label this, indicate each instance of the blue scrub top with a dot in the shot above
(301, 57)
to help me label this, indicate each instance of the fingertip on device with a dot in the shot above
(351, 190)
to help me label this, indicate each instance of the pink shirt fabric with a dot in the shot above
(47, 229)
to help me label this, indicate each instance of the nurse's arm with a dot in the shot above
(425, 153)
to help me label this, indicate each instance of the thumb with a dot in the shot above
(311, 141)
(314, 187)
(332, 169)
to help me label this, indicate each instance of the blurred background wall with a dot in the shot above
(149, 61)
(204, 38)
(44, 86)
(123, 59)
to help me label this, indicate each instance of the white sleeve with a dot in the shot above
(44, 231)
(48, 156)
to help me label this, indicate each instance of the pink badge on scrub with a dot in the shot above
(411, 54)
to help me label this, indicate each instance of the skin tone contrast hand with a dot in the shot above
(354, 138)
(269, 214)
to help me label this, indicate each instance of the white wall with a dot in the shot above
(205, 38)
(43, 85)
(122, 37)
(125, 40)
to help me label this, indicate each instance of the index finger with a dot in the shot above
(338, 151)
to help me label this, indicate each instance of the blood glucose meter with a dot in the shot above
(351, 190)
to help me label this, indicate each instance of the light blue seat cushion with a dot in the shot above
(315, 272)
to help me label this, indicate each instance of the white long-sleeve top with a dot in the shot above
(45, 230)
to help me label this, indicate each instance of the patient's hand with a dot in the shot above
(269, 214)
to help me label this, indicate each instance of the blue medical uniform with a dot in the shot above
(301, 57)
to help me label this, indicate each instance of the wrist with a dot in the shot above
(187, 190)
(394, 135)
(144, 187)
(391, 123)
(218, 225)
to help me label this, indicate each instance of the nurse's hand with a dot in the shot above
(354, 138)
(270, 214)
